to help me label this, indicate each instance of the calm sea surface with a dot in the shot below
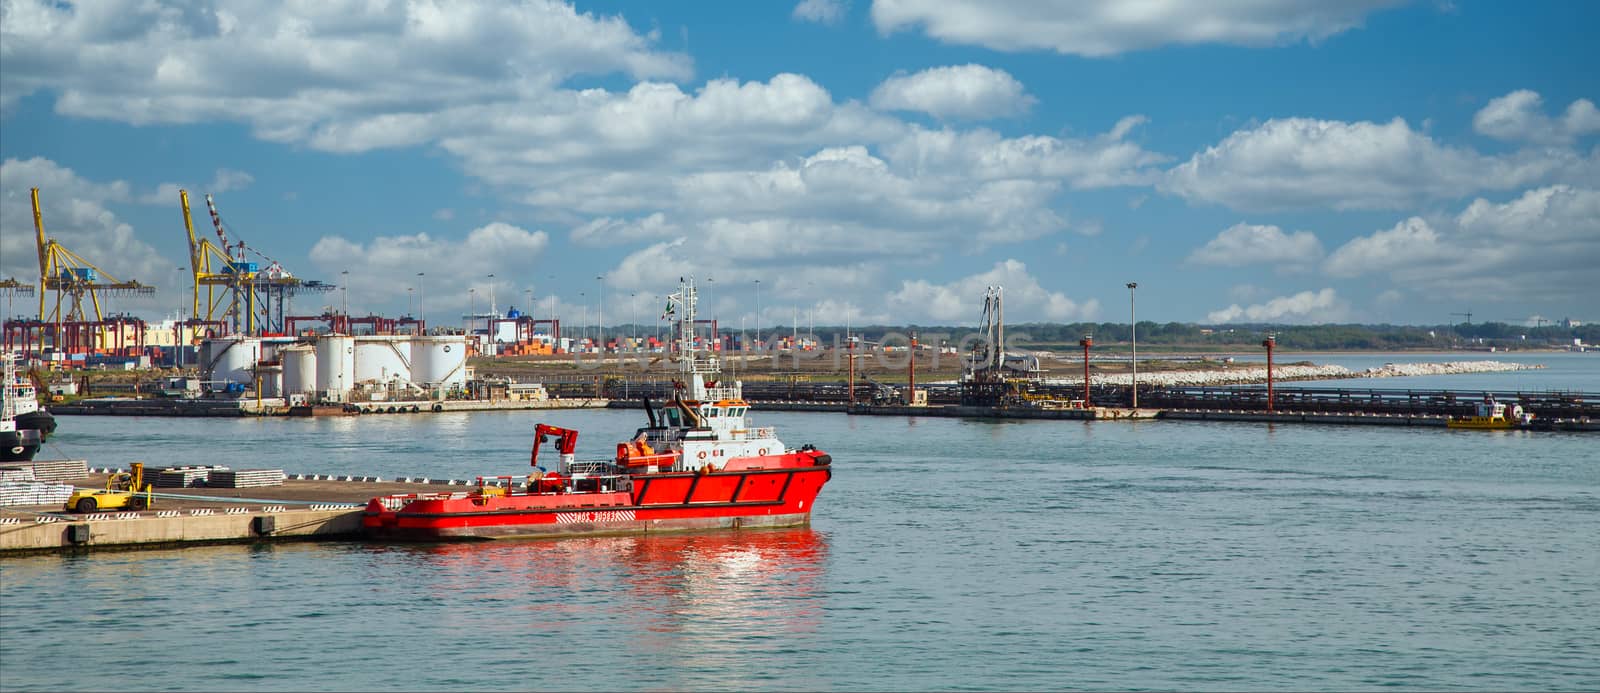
(945, 554)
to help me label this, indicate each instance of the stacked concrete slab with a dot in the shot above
(245, 478)
(183, 477)
(14, 473)
(59, 470)
(34, 493)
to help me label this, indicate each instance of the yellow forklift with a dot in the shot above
(123, 491)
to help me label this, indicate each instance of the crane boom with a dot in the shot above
(222, 234)
(196, 254)
(43, 245)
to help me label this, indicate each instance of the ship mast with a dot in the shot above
(694, 368)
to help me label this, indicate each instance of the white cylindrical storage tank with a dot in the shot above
(336, 366)
(270, 346)
(382, 359)
(439, 361)
(299, 369)
(271, 380)
(229, 359)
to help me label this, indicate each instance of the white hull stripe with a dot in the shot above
(595, 516)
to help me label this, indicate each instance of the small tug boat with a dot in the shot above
(697, 465)
(1492, 416)
(23, 425)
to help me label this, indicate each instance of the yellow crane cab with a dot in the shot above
(123, 491)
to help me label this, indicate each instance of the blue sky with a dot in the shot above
(1266, 161)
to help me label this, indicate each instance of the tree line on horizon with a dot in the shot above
(1302, 337)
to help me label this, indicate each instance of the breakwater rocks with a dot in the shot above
(1258, 374)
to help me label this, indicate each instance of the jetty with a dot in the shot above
(294, 507)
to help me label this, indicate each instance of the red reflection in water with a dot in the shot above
(670, 591)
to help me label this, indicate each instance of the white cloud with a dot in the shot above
(780, 158)
(608, 231)
(1249, 244)
(1097, 28)
(972, 92)
(1408, 242)
(77, 214)
(1103, 161)
(961, 301)
(382, 73)
(1305, 163)
(381, 269)
(1543, 245)
(229, 179)
(1516, 116)
(1306, 307)
(223, 181)
(820, 11)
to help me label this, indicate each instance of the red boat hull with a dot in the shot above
(682, 501)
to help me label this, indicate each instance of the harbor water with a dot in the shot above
(944, 554)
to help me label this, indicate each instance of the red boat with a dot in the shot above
(697, 465)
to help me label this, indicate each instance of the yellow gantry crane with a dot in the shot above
(213, 269)
(253, 298)
(73, 279)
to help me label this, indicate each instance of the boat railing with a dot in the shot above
(717, 394)
(593, 468)
(756, 433)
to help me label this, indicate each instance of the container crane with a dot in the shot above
(214, 269)
(1467, 315)
(10, 288)
(249, 297)
(274, 284)
(73, 279)
(10, 285)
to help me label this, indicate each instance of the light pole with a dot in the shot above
(758, 311)
(1271, 341)
(633, 316)
(1087, 342)
(528, 304)
(177, 327)
(600, 316)
(1133, 316)
(810, 293)
(422, 291)
(472, 310)
(583, 297)
(410, 291)
(344, 289)
(492, 308)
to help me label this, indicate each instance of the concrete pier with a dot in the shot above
(48, 532)
(300, 509)
(1307, 417)
(276, 407)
